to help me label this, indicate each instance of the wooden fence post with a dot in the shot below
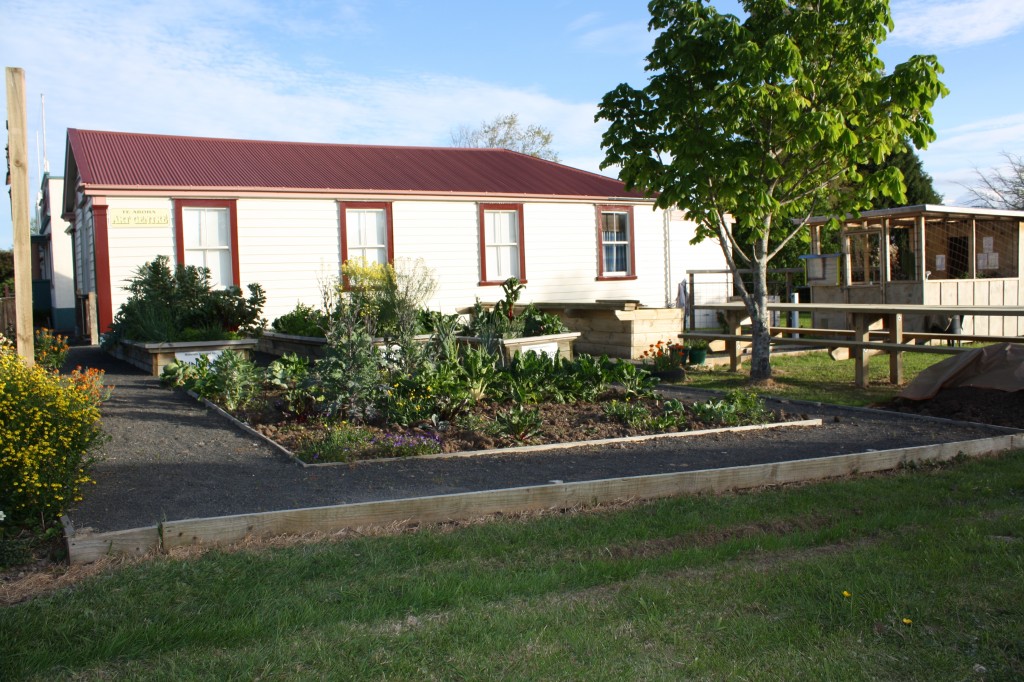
(17, 144)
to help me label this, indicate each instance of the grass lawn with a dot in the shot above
(917, 575)
(817, 377)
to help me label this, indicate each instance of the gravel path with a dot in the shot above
(168, 457)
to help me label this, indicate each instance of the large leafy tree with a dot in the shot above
(769, 120)
(506, 132)
(918, 183)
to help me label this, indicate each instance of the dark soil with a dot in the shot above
(168, 457)
(560, 423)
(983, 405)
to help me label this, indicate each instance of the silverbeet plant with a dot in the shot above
(518, 423)
(738, 407)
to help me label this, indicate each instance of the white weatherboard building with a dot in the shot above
(53, 290)
(287, 215)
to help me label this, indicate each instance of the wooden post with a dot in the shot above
(92, 314)
(922, 246)
(734, 320)
(895, 324)
(17, 143)
(862, 334)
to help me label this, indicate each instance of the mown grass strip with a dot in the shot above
(816, 377)
(745, 585)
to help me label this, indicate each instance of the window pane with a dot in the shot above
(217, 227)
(191, 227)
(491, 263)
(511, 228)
(369, 255)
(501, 227)
(502, 262)
(196, 258)
(376, 228)
(613, 227)
(615, 258)
(219, 263)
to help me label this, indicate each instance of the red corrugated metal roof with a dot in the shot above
(134, 160)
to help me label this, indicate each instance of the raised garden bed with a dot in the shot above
(552, 344)
(312, 347)
(490, 426)
(152, 357)
(279, 343)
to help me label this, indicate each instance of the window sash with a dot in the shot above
(615, 241)
(206, 233)
(367, 234)
(501, 235)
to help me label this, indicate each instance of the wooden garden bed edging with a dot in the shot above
(277, 343)
(152, 357)
(552, 344)
(311, 347)
(464, 506)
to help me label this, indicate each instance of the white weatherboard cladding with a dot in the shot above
(445, 235)
(288, 246)
(560, 245)
(62, 285)
(132, 247)
(707, 255)
(561, 255)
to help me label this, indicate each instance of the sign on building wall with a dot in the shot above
(139, 217)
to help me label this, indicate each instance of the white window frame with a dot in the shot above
(230, 275)
(489, 248)
(353, 236)
(629, 242)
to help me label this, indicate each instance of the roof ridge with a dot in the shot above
(126, 159)
(315, 144)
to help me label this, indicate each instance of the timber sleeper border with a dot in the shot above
(223, 530)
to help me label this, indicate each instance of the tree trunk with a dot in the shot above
(755, 298)
(757, 306)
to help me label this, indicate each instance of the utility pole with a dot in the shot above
(17, 150)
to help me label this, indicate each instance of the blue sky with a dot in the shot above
(407, 72)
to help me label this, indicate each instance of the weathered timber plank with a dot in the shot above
(228, 529)
(84, 548)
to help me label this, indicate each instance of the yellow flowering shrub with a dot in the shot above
(48, 423)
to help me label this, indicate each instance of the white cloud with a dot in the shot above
(959, 152)
(585, 20)
(625, 38)
(200, 67)
(955, 23)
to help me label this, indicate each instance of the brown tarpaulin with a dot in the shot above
(1000, 367)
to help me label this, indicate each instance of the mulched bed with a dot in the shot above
(969, 404)
(168, 457)
(561, 423)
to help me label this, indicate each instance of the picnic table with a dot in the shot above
(864, 339)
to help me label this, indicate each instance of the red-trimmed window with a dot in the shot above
(206, 236)
(367, 232)
(501, 243)
(615, 243)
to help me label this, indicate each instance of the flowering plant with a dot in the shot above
(48, 425)
(664, 356)
(51, 349)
